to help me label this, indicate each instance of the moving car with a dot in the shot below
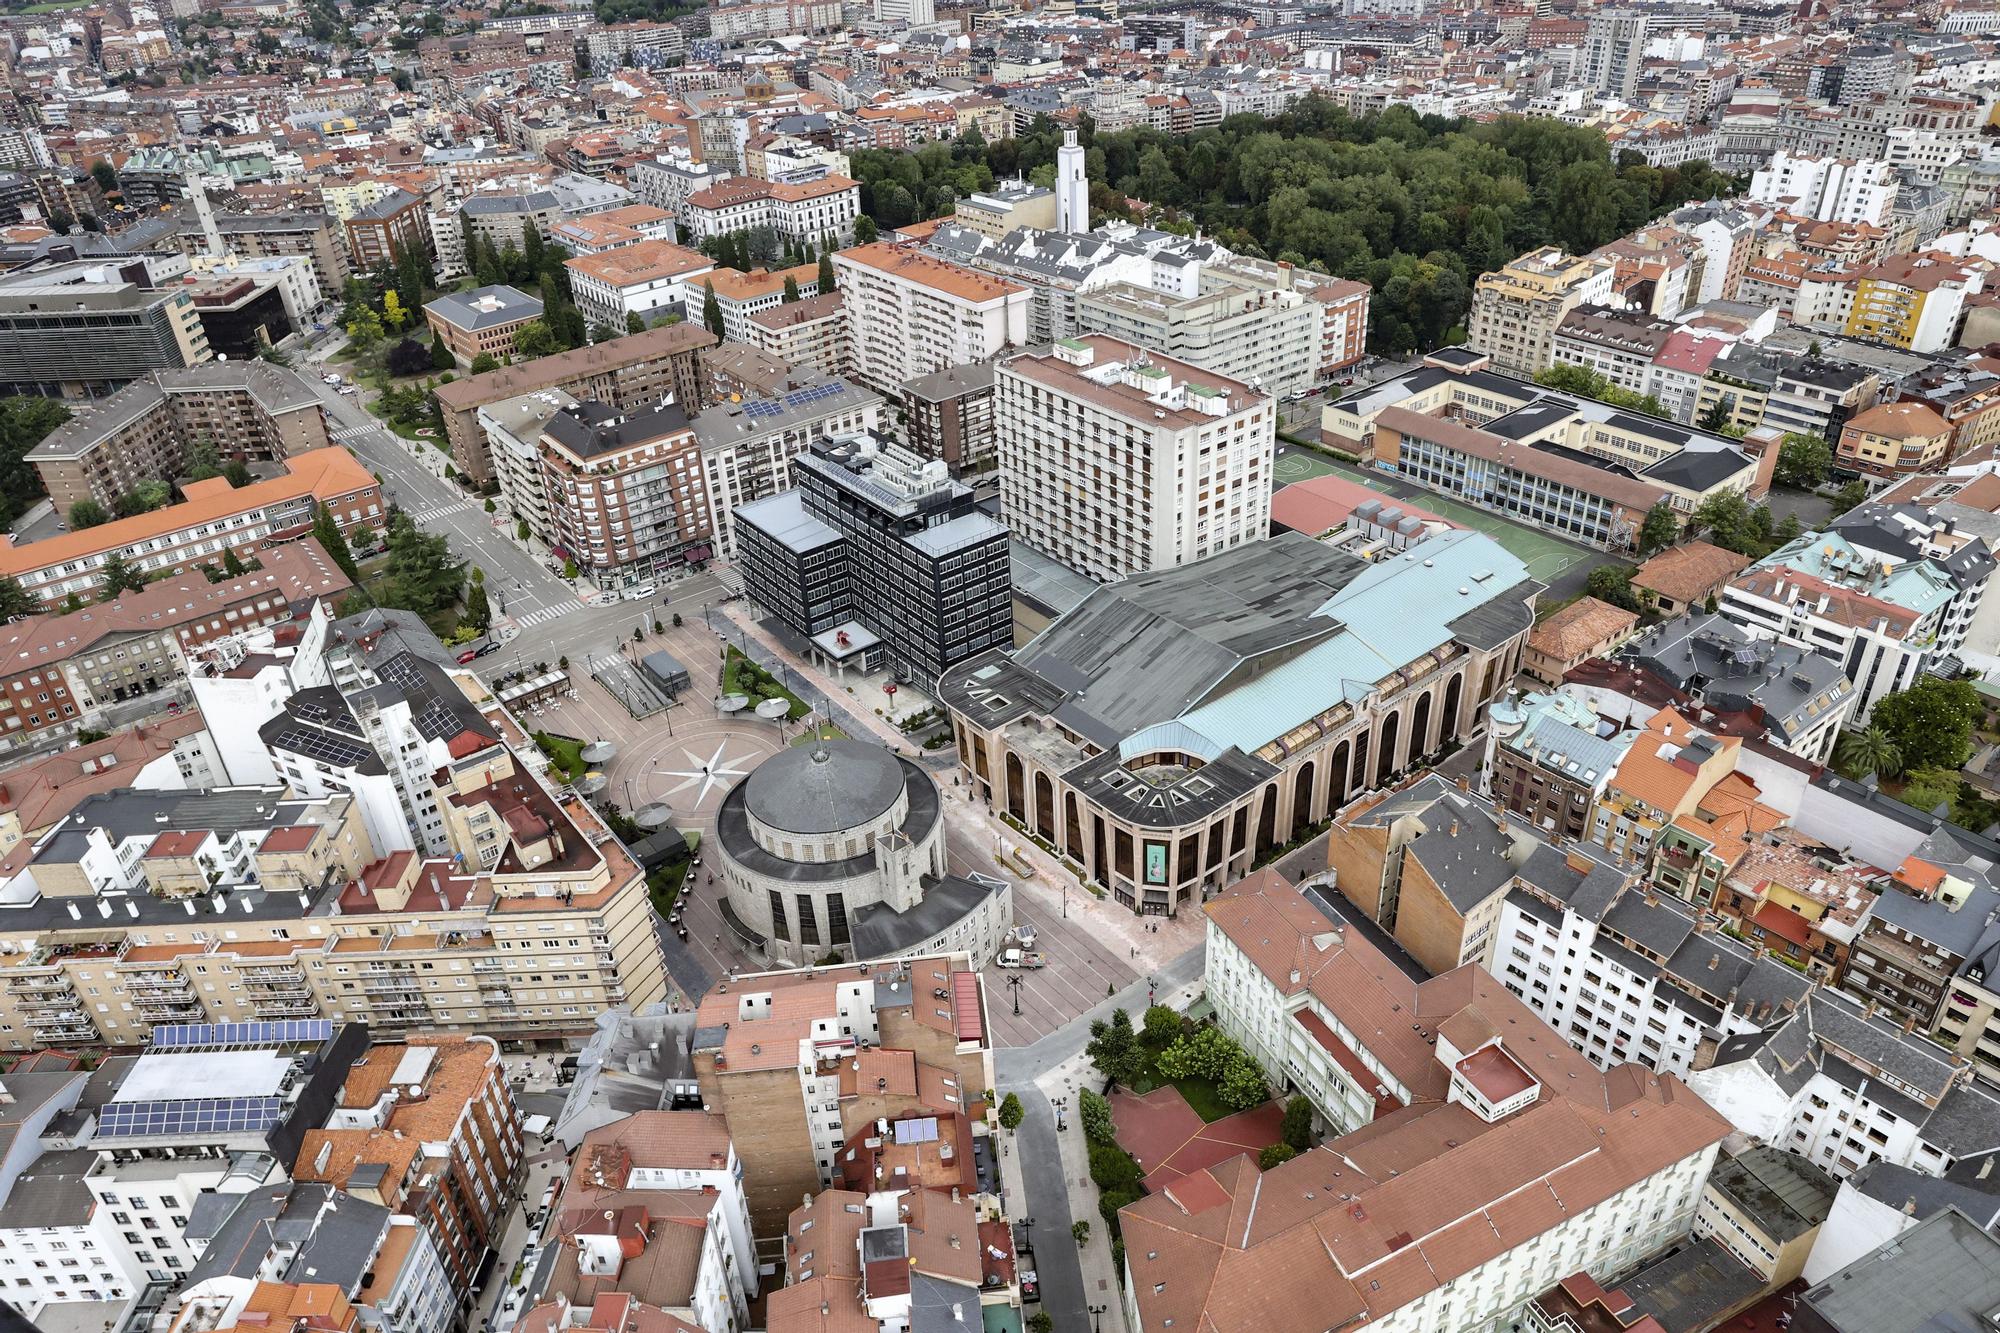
(640, 592)
(1022, 958)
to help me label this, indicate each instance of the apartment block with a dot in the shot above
(1243, 322)
(1891, 439)
(949, 414)
(747, 447)
(390, 227)
(626, 495)
(741, 297)
(1843, 1086)
(1517, 308)
(398, 942)
(1915, 301)
(1447, 1084)
(880, 559)
(909, 314)
(63, 668)
(111, 1169)
(1343, 333)
(427, 1128)
(810, 333)
(212, 519)
(250, 410)
(775, 1053)
(807, 214)
(1883, 591)
(679, 1171)
(1827, 189)
(1115, 462)
(628, 373)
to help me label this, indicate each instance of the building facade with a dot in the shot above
(1114, 463)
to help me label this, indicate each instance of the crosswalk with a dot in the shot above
(436, 512)
(546, 614)
(346, 433)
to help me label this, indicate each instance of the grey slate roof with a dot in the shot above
(51, 1192)
(1146, 649)
(1901, 1186)
(1736, 672)
(330, 1235)
(465, 310)
(1940, 1276)
(879, 931)
(827, 787)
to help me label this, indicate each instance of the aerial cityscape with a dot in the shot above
(1058, 666)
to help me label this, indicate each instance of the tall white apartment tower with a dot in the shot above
(1072, 187)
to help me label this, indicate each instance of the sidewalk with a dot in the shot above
(1100, 1280)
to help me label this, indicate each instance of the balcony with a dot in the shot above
(173, 1011)
(285, 1008)
(59, 1033)
(40, 984)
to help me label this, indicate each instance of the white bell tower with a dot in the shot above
(1072, 189)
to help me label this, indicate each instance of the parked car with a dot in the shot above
(1022, 958)
(1031, 1286)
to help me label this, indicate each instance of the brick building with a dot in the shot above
(628, 373)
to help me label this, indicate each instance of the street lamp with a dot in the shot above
(1097, 1312)
(1014, 985)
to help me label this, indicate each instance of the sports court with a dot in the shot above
(1545, 556)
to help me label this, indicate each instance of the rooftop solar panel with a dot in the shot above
(201, 1115)
(276, 1032)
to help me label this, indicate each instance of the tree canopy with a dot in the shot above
(1930, 724)
(423, 575)
(24, 423)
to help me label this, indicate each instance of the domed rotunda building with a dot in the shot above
(834, 850)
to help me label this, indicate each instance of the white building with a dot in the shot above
(1827, 189)
(364, 706)
(1882, 591)
(909, 314)
(1624, 975)
(1843, 1086)
(807, 214)
(1555, 1166)
(673, 1164)
(650, 279)
(1116, 464)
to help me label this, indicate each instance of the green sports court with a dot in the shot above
(1545, 556)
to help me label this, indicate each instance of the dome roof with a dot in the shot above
(823, 787)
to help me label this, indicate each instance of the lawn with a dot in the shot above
(740, 675)
(826, 731)
(565, 754)
(1202, 1095)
